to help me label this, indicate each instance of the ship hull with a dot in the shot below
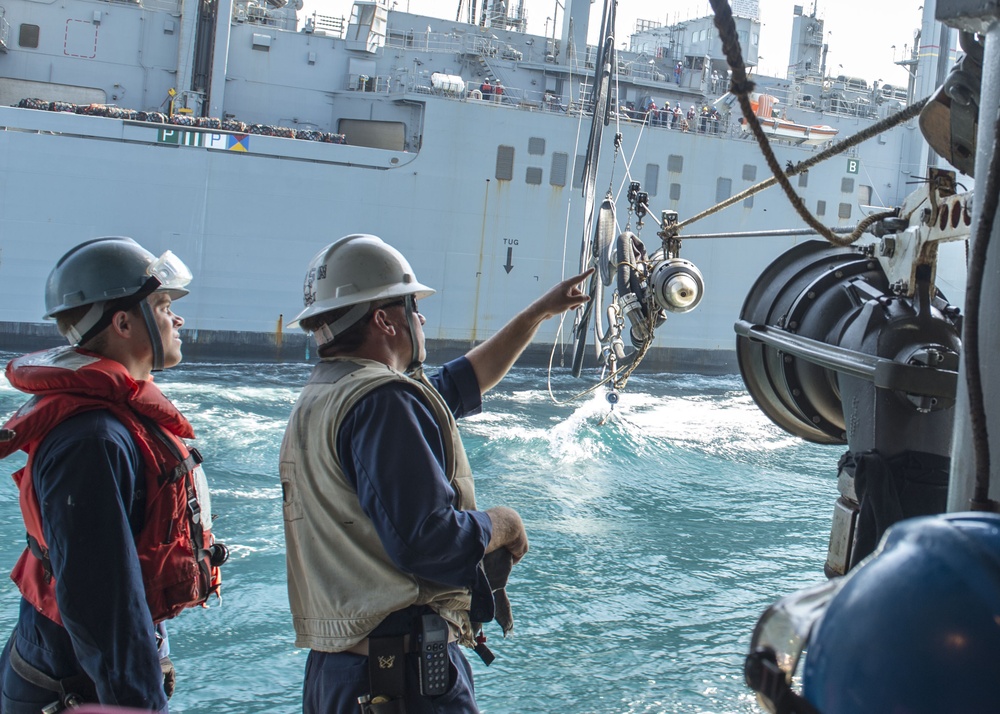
(248, 222)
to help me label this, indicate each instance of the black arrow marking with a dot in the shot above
(509, 266)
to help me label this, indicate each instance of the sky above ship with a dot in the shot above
(865, 37)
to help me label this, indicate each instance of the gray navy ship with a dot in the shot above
(244, 138)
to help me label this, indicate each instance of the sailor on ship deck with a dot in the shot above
(107, 557)
(382, 529)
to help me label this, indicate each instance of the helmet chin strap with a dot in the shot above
(416, 365)
(155, 340)
(325, 333)
(76, 333)
(91, 327)
(109, 308)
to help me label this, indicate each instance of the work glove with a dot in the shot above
(169, 676)
(497, 566)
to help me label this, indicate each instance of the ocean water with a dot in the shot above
(658, 536)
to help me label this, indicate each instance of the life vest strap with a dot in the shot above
(42, 554)
(73, 691)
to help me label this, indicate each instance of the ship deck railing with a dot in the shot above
(425, 41)
(522, 100)
(330, 25)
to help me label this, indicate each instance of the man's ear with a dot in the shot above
(122, 323)
(380, 318)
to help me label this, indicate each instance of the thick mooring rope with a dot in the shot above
(741, 86)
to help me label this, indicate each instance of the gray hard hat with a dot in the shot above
(99, 270)
(109, 274)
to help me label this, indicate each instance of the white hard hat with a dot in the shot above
(357, 270)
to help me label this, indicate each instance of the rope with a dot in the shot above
(741, 86)
(973, 305)
(803, 166)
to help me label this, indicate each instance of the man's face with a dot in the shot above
(169, 326)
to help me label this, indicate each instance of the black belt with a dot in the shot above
(386, 648)
(73, 691)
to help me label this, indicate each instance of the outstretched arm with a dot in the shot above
(492, 359)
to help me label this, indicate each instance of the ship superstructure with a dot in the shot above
(223, 131)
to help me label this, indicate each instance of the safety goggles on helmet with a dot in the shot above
(779, 638)
(169, 271)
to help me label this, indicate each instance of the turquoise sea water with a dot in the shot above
(657, 539)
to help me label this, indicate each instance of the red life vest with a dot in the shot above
(175, 544)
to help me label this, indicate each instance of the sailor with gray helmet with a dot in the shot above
(384, 541)
(115, 504)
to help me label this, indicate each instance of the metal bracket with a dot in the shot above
(936, 215)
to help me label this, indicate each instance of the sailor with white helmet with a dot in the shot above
(913, 628)
(114, 547)
(384, 541)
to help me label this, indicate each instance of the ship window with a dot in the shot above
(749, 172)
(533, 176)
(847, 185)
(536, 146)
(581, 160)
(865, 195)
(362, 15)
(675, 192)
(400, 39)
(505, 163)
(803, 179)
(844, 211)
(28, 36)
(675, 164)
(652, 182)
(389, 135)
(723, 189)
(820, 208)
(748, 202)
(557, 174)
